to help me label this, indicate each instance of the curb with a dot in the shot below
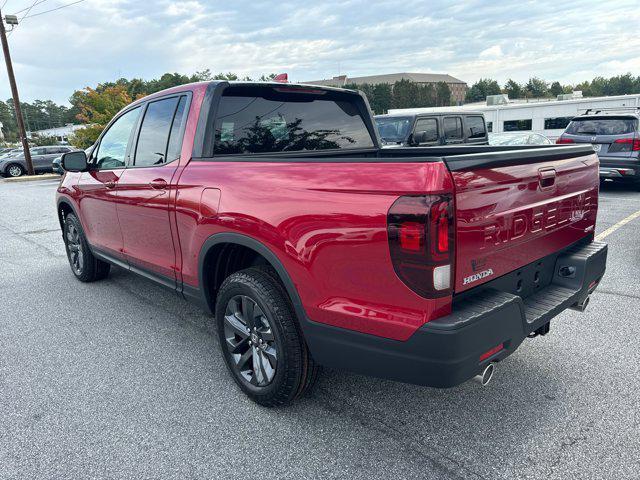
(33, 178)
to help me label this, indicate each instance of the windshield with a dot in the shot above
(602, 126)
(395, 129)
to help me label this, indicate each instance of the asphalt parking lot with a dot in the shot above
(121, 379)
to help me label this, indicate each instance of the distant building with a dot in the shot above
(59, 133)
(458, 87)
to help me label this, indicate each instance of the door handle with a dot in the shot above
(158, 184)
(110, 184)
(547, 178)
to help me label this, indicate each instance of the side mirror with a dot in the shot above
(74, 161)
(420, 137)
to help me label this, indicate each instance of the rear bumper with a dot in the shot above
(446, 352)
(620, 168)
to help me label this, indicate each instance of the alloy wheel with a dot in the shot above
(75, 249)
(250, 341)
(15, 171)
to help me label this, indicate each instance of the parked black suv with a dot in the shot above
(615, 137)
(432, 128)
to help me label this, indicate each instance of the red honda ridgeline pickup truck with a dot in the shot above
(274, 207)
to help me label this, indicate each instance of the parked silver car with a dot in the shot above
(518, 138)
(14, 165)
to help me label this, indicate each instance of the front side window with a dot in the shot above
(268, 121)
(452, 127)
(517, 125)
(475, 127)
(37, 151)
(113, 145)
(154, 132)
(426, 130)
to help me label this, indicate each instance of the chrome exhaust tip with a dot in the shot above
(582, 305)
(487, 374)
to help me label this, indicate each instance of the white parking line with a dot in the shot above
(615, 227)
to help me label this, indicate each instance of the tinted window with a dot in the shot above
(175, 137)
(452, 127)
(113, 145)
(286, 122)
(426, 130)
(394, 129)
(602, 126)
(37, 151)
(475, 127)
(516, 125)
(489, 126)
(556, 123)
(154, 132)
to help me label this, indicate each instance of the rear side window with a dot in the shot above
(157, 125)
(452, 127)
(602, 126)
(517, 125)
(475, 127)
(270, 121)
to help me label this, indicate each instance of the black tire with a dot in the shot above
(273, 341)
(84, 265)
(14, 170)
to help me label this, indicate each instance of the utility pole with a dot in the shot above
(12, 19)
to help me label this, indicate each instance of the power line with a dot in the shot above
(3, 4)
(52, 10)
(28, 10)
(38, 2)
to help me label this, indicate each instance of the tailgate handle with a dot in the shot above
(547, 178)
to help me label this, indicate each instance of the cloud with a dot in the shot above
(102, 40)
(492, 52)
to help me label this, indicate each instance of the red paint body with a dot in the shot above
(327, 222)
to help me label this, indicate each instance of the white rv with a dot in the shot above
(548, 117)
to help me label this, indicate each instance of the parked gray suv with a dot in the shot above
(615, 136)
(42, 157)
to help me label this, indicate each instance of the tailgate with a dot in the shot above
(516, 207)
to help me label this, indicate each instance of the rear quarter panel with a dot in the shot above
(326, 222)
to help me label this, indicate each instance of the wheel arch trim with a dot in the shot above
(257, 246)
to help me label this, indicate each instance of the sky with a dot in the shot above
(102, 40)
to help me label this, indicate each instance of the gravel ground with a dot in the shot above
(121, 379)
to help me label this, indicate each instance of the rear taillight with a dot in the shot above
(625, 145)
(421, 241)
(561, 140)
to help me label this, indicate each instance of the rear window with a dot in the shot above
(268, 121)
(475, 127)
(602, 126)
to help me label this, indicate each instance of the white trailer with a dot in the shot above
(547, 117)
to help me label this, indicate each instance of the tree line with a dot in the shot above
(538, 88)
(96, 106)
(404, 94)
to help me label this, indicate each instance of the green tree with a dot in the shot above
(556, 89)
(537, 88)
(480, 90)
(513, 89)
(405, 94)
(97, 108)
(443, 94)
